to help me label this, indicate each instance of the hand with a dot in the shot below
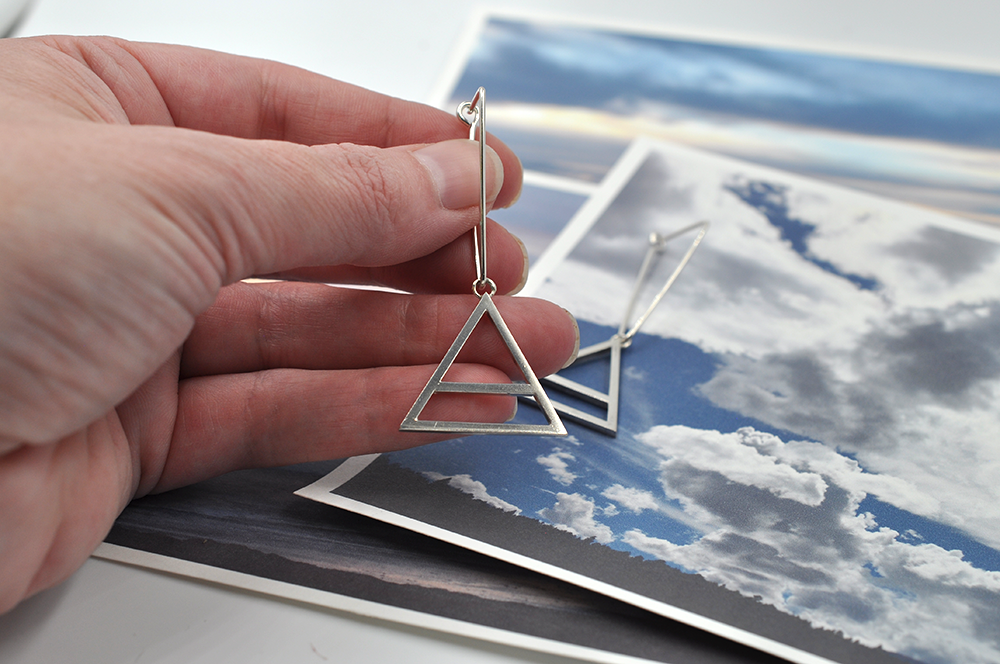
(139, 185)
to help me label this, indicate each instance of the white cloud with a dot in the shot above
(474, 488)
(820, 560)
(736, 457)
(575, 513)
(556, 464)
(927, 603)
(635, 373)
(634, 500)
(933, 563)
(767, 314)
(903, 378)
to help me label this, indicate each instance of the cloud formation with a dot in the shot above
(474, 488)
(887, 375)
(557, 466)
(588, 68)
(820, 560)
(574, 513)
(788, 417)
(632, 499)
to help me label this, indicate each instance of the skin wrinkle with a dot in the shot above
(32, 580)
(386, 130)
(171, 113)
(260, 416)
(245, 244)
(273, 338)
(150, 459)
(266, 309)
(58, 546)
(271, 123)
(105, 111)
(220, 216)
(374, 193)
(274, 122)
(175, 214)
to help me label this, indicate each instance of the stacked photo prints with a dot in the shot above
(803, 464)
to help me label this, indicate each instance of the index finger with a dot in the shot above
(251, 98)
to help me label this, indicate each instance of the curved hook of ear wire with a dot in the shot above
(657, 245)
(473, 113)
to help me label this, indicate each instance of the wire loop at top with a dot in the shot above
(657, 244)
(473, 113)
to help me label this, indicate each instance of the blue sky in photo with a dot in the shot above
(506, 464)
(751, 466)
(788, 444)
(915, 133)
(769, 199)
(590, 68)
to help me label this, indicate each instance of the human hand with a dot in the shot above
(140, 183)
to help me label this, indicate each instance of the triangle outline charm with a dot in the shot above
(622, 339)
(607, 400)
(532, 387)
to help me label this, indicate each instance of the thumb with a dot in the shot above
(265, 206)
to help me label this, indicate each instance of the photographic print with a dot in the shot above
(569, 98)
(248, 529)
(806, 459)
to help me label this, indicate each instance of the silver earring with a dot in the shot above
(608, 401)
(473, 113)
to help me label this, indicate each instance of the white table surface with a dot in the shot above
(111, 613)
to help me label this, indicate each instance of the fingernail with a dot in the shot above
(514, 414)
(576, 350)
(520, 190)
(454, 169)
(524, 270)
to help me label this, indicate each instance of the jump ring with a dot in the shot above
(488, 284)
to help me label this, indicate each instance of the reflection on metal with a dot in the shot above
(473, 113)
(603, 400)
(608, 401)
(530, 388)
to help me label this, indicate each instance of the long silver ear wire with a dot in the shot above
(473, 113)
(621, 340)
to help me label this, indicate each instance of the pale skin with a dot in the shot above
(139, 185)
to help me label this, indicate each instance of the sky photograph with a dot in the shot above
(570, 98)
(808, 418)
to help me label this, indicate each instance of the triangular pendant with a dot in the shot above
(622, 339)
(608, 401)
(531, 388)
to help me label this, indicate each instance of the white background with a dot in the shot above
(110, 613)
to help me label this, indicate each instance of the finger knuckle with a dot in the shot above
(373, 188)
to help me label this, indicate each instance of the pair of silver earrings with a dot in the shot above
(473, 113)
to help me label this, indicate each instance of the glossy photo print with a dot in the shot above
(569, 98)
(248, 529)
(806, 460)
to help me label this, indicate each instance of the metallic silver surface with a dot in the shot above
(473, 113)
(657, 243)
(531, 388)
(621, 340)
(609, 400)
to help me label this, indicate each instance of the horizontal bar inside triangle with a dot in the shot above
(484, 428)
(578, 390)
(485, 388)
